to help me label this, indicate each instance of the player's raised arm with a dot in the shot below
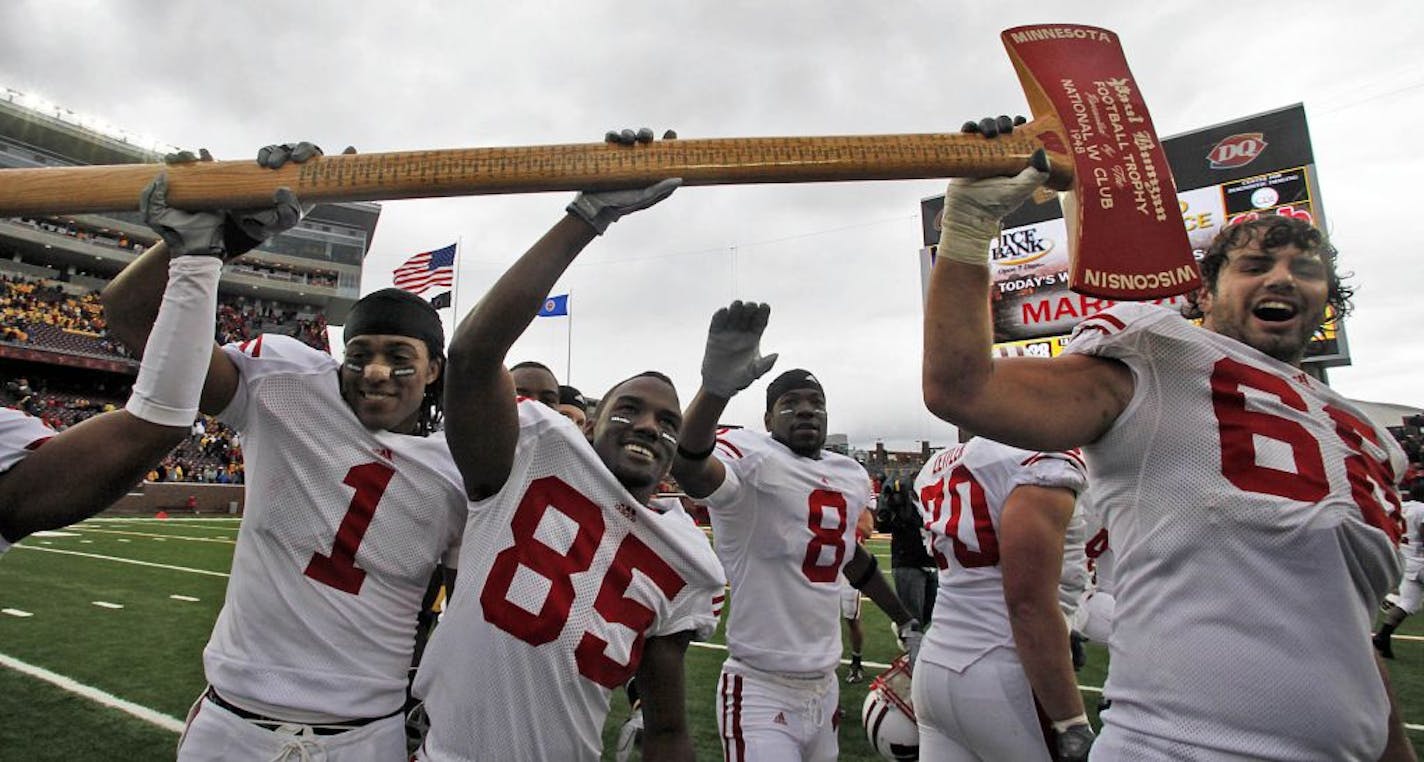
(1041, 404)
(177, 300)
(731, 361)
(132, 298)
(481, 420)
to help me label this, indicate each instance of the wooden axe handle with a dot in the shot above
(531, 169)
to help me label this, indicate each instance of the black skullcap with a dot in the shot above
(396, 312)
(798, 378)
(571, 396)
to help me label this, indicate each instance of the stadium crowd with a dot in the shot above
(48, 315)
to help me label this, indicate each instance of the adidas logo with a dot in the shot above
(780, 718)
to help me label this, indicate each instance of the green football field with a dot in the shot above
(102, 627)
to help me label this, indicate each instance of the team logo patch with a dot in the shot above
(1237, 150)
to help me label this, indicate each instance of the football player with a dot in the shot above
(1411, 588)
(998, 649)
(535, 381)
(117, 448)
(784, 513)
(573, 405)
(574, 580)
(352, 499)
(1233, 484)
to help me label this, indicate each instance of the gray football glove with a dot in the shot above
(604, 208)
(600, 210)
(733, 359)
(186, 233)
(219, 233)
(910, 637)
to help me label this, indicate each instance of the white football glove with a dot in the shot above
(630, 738)
(733, 359)
(974, 208)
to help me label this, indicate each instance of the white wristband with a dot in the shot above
(180, 346)
(1061, 725)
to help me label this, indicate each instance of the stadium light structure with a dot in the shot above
(48, 109)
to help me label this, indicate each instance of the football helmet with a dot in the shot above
(1094, 617)
(888, 714)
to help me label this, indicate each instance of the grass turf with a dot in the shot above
(149, 651)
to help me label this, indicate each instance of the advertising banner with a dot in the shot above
(1240, 170)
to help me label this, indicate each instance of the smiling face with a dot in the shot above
(635, 433)
(383, 379)
(1270, 299)
(798, 420)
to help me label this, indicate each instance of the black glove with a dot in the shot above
(1074, 743)
(992, 127)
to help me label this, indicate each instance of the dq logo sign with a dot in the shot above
(1237, 150)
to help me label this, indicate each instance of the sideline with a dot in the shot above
(220, 540)
(171, 724)
(23, 546)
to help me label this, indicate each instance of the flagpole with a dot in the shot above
(455, 289)
(569, 339)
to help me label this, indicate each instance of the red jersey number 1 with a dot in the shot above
(339, 570)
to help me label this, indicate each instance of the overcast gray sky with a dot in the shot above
(837, 262)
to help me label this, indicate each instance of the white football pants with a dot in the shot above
(984, 714)
(764, 717)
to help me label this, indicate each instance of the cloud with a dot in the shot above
(837, 261)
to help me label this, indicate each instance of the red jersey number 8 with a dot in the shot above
(823, 536)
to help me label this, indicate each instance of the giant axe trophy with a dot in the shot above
(1126, 235)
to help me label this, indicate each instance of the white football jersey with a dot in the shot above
(342, 530)
(1098, 549)
(1073, 582)
(20, 434)
(1413, 536)
(784, 527)
(564, 576)
(961, 493)
(1248, 507)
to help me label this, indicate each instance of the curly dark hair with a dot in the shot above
(1273, 231)
(432, 405)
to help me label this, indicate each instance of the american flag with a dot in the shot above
(427, 270)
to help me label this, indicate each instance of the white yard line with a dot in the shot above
(223, 540)
(121, 519)
(16, 612)
(135, 562)
(171, 724)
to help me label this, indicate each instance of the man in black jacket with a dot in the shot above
(910, 564)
